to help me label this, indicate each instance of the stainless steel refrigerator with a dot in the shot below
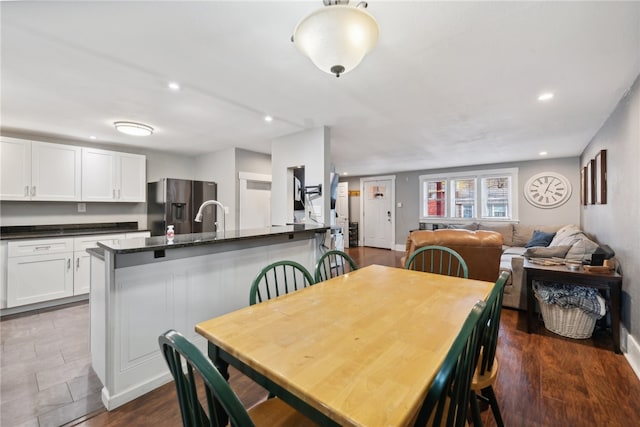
(176, 202)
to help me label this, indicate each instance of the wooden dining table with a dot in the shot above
(360, 349)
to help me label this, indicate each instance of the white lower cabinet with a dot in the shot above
(39, 270)
(81, 263)
(82, 273)
(46, 269)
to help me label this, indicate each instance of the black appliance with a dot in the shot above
(176, 202)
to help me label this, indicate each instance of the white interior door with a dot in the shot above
(377, 213)
(255, 200)
(342, 210)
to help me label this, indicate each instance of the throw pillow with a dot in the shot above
(523, 233)
(582, 248)
(566, 235)
(540, 238)
(548, 252)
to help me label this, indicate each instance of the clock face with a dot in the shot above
(547, 190)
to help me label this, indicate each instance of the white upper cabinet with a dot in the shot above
(98, 175)
(15, 169)
(133, 178)
(55, 172)
(109, 176)
(34, 170)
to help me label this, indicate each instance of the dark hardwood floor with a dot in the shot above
(544, 380)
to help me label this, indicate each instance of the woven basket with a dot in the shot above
(568, 322)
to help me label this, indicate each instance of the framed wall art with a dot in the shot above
(600, 179)
(583, 186)
(591, 193)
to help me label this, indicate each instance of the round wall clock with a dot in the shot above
(547, 190)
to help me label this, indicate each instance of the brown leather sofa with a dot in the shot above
(481, 250)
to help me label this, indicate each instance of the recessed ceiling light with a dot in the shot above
(543, 153)
(268, 119)
(174, 86)
(545, 96)
(92, 137)
(133, 128)
(345, 173)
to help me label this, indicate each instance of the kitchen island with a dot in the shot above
(140, 288)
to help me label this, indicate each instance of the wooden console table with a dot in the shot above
(611, 282)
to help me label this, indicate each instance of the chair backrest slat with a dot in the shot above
(222, 405)
(439, 260)
(279, 278)
(492, 324)
(333, 263)
(448, 397)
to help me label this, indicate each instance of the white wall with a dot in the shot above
(220, 166)
(408, 193)
(252, 162)
(311, 150)
(45, 213)
(165, 165)
(616, 223)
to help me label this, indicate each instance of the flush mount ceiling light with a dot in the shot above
(547, 96)
(133, 128)
(337, 37)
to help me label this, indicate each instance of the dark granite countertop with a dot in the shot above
(98, 252)
(65, 230)
(196, 239)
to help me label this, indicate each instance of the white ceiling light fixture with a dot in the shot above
(268, 119)
(174, 86)
(337, 37)
(133, 128)
(547, 96)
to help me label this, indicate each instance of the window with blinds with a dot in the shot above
(472, 195)
(464, 197)
(496, 197)
(434, 198)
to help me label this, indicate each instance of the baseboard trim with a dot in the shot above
(111, 402)
(41, 306)
(630, 349)
(400, 248)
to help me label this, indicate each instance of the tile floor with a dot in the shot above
(46, 377)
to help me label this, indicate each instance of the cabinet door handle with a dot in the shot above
(118, 194)
(33, 191)
(26, 190)
(114, 194)
(78, 263)
(42, 248)
(68, 264)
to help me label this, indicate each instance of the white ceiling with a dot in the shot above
(449, 83)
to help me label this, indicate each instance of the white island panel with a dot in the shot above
(143, 301)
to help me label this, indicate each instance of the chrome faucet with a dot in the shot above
(211, 202)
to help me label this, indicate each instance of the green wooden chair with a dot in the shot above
(439, 260)
(447, 400)
(333, 263)
(277, 279)
(222, 404)
(486, 371)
